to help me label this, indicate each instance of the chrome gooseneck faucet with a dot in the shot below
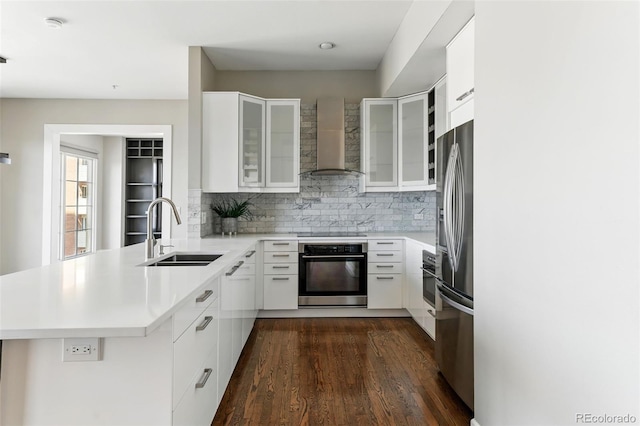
(150, 242)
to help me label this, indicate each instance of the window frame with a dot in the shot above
(92, 196)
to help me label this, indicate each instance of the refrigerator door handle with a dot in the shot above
(458, 306)
(458, 189)
(447, 199)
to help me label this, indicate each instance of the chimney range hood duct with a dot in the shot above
(330, 139)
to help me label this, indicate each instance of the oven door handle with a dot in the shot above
(335, 256)
(429, 272)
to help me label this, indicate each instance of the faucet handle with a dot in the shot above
(162, 247)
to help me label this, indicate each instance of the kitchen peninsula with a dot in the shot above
(169, 337)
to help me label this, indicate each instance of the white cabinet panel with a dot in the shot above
(281, 246)
(460, 70)
(192, 348)
(384, 291)
(194, 307)
(281, 268)
(199, 404)
(383, 256)
(385, 245)
(280, 292)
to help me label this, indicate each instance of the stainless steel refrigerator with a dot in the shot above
(454, 259)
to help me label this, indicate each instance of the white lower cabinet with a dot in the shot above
(422, 312)
(280, 266)
(384, 274)
(385, 291)
(197, 407)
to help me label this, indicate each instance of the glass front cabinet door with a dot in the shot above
(252, 142)
(380, 147)
(413, 141)
(283, 143)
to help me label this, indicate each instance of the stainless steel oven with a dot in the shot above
(429, 278)
(332, 274)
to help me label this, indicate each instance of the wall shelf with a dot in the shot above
(143, 185)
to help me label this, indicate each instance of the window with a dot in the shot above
(78, 203)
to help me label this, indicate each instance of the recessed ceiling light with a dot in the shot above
(327, 45)
(54, 23)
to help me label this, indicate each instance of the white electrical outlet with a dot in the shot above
(418, 216)
(87, 349)
(203, 218)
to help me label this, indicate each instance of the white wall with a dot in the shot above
(556, 211)
(306, 85)
(22, 132)
(112, 192)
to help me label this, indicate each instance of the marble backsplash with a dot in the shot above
(324, 204)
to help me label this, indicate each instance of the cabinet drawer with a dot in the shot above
(246, 269)
(281, 292)
(280, 257)
(194, 307)
(281, 246)
(385, 268)
(385, 256)
(192, 348)
(386, 245)
(384, 291)
(280, 268)
(200, 401)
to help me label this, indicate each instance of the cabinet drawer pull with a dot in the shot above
(205, 377)
(251, 253)
(280, 267)
(433, 314)
(384, 266)
(204, 296)
(384, 242)
(281, 255)
(280, 244)
(235, 268)
(384, 254)
(465, 94)
(384, 278)
(280, 278)
(205, 323)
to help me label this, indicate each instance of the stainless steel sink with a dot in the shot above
(184, 259)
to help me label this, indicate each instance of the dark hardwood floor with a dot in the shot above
(339, 371)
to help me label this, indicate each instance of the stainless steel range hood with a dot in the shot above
(330, 139)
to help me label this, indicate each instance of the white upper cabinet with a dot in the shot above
(379, 155)
(250, 144)
(283, 143)
(396, 153)
(460, 75)
(413, 141)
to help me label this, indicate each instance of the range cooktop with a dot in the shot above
(330, 234)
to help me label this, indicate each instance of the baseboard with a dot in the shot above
(473, 422)
(333, 313)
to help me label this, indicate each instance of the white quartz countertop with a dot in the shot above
(107, 294)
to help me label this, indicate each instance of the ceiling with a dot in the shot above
(131, 49)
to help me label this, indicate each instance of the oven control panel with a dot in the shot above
(330, 248)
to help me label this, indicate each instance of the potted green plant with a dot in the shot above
(229, 211)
